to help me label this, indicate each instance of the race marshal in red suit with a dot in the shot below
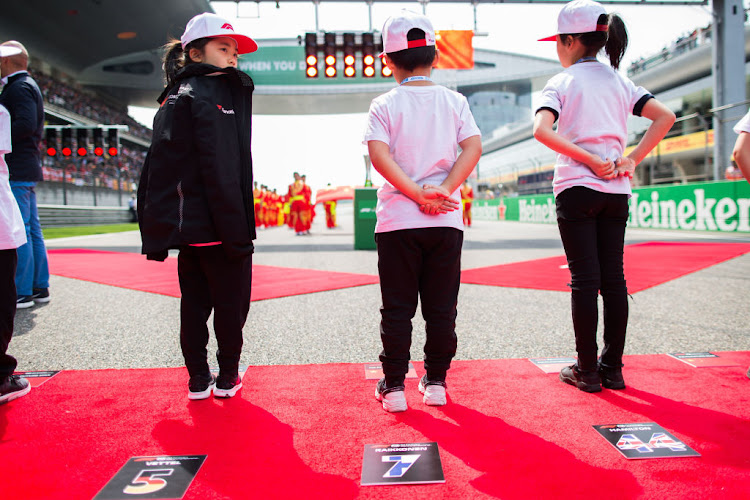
(467, 196)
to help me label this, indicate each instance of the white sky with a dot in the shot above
(328, 147)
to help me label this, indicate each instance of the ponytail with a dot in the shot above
(174, 60)
(617, 40)
(614, 41)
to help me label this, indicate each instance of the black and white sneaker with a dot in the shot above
(200, 386)
(13, 387)
(227, 387)
(24, 302)
(393, 399)
(433, 390)
(40, 295)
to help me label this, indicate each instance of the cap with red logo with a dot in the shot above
(397, 27)
(578, 16)
(209, 25)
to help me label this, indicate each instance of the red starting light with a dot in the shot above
(67, 151)
(98, 151)
(385, 71)
(82, 151)
(51, 141)
(112, 151)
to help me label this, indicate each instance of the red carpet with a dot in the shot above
(646, 265)
(509, 431)
(133, 271)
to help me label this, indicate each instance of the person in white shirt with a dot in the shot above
(592, 102)
(413, 134)
(12, 236)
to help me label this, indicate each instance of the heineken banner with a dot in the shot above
(712, 206)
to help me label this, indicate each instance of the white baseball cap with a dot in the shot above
(578, 16)
(396, 28)
(7, 51)
(209, 25)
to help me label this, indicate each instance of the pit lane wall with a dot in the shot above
(722, 206)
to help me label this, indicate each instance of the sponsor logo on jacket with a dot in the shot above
(225, 111)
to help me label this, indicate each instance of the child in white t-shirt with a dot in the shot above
(591, 184)
(742, 148)
(413, 134)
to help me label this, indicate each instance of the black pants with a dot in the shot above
(592, 228)
(210, 280)
(418, 264)
(8, 261)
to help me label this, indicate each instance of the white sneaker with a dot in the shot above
(394, 400)
(434, 392)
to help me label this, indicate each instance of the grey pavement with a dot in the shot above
(92, 326)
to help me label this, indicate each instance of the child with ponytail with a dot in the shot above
(195, 194)
(591, 102)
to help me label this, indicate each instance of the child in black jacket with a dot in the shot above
(195, 194)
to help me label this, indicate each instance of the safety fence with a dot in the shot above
(722, 206)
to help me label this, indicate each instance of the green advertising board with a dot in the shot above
(365, 218)
(722, 206)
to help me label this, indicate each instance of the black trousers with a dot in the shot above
(8, 261)
(417, 264)
(209, 280)
(592, 228)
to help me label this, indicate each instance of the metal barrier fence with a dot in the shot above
(68, 215)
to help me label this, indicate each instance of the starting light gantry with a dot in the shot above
(59, 138)
(331, 44)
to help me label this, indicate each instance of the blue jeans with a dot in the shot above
(32, 270)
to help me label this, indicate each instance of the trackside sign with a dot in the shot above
(722, 206)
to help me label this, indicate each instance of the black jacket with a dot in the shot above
(196, 183)
(23, 99)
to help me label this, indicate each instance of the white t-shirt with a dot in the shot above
(743, 125)
(423, 126)
(12, 230)
(592, 102)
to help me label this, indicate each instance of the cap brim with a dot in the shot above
(245, 44)
(548, 39)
